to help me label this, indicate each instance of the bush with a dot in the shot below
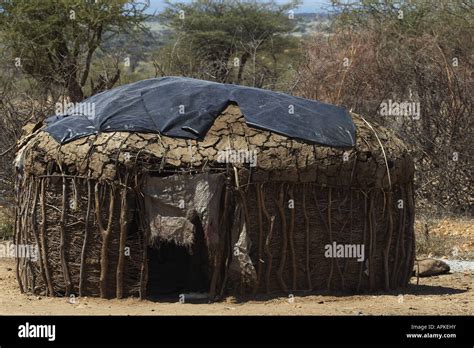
(375, 56)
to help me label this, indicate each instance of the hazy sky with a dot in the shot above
(307, 6)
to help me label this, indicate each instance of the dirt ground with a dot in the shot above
(450, 294)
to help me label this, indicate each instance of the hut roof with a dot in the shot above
(230, 139)
(186, 108)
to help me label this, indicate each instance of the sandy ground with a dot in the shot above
(450, 294)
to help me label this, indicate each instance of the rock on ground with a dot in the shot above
(430, 267)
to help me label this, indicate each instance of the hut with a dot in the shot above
(244, 209)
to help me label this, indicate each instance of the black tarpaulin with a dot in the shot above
(186, 108)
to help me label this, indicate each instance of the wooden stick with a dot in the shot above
(122, 241)
(145, 230)
(291, 239)
(228, 256)
(395, 262)
(402, 238)
(247, 224)
(271, 221)
(351, 228)
(388, 199)
(258, 190)
(34, 224)
(24, 220)
(24, 236)
(372, 242)
(62, 251)
(364, 234)
(20, 212)
(308, 241)
(329, 228)
(281, 267)
(400, 241)
(50, 289)
(105, 233)
(86, 240)
(17, 225)
(411, 235)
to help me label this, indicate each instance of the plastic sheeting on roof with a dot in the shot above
(186, 108)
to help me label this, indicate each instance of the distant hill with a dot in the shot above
(307, 23)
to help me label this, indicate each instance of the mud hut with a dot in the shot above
(241, 210)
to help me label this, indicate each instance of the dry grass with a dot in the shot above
(451, 238)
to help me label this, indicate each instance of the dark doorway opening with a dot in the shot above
(174, 269)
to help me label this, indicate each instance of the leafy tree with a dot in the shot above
(55, 41)
(220, 39)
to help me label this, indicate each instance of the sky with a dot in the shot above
(307, 5)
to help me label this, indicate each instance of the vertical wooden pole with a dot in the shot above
(145, 230)
(86, 240)
(409, 260)
(105, 233)
(372, 242)
(245, 212)
(258, 193)
(291, 239)
(400, 240)
(24, 237)
(62, 246)
(19, 228)
(218, 257)
(308, 240)
(50, 289)
(329, 227)
(34, 226)
(364, 237)
(281, 267)
(267, 248)
(122, 241)
(388, 199)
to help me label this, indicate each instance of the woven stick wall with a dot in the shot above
(288, 243)
(79, 226)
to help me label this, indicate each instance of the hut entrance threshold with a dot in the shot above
(174, 269)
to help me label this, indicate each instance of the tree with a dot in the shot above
(221, 38)
(54, 41)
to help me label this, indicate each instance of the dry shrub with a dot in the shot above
(377, 58)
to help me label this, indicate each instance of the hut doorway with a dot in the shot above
(183, 213)
(175, 269)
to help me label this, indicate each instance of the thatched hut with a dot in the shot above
(119, 214)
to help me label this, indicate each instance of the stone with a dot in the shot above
(430, 267)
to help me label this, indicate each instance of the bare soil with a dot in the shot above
(450, 294)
